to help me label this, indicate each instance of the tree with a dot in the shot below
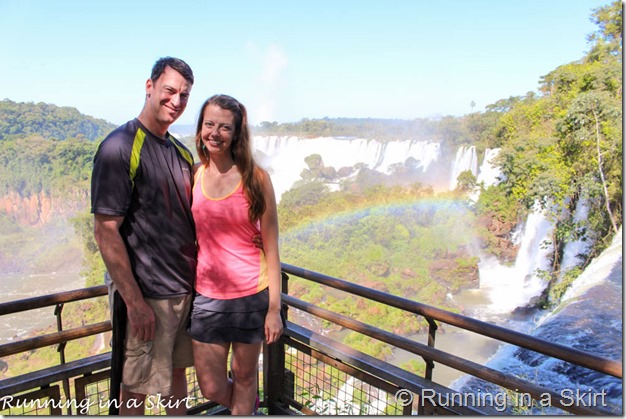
(607, 40)
(592, 136)
(466, 181)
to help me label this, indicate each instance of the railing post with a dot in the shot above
(432, 331)
(274, 364)
(58, 311)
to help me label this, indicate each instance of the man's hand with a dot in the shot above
(141, 320)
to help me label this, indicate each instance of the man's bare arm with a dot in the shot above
(140, 316)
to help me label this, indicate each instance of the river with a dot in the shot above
(18, 286)
(589, 318)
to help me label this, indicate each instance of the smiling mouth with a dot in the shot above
(172, 111)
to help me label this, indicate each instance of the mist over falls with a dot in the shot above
(505, 291)
(336, 161)
(341, 158)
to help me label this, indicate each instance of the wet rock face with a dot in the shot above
(498, 238)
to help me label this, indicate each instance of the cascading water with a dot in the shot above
(510, 287)
(284, 156)
(489, 173)
(503, 288)
(465, 159)
(591, 313)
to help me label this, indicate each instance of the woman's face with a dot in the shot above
(218, 129)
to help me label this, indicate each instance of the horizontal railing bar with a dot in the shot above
(445, 358)
(384, 370)
(282, 407)
(53, 338)
(343, 366)
(554, 350)
(24, 382)
(11, 307)
(430, 313)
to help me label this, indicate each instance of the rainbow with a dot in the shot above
(396, 206)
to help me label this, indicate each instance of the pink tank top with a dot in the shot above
(229, 264)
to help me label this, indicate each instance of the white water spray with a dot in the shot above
(284, 156)
(465, 159)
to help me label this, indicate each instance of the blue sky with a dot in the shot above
(288, 60)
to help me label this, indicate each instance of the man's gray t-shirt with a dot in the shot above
(147, 180)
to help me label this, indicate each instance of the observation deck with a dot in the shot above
(308, 373)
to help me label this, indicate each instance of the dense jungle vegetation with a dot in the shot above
(559, 144)
(46, 148)
(49, 121)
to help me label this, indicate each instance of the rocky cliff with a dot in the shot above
(39, 209)
(36, 233)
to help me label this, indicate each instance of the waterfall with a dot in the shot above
(465, 159)
(591, 309)
(510, 287)
(340, 403)
(535, 251)
(591, 313)
(507, 287)
(284, 156)
(370, 401)
(598, 270)
(489, 173)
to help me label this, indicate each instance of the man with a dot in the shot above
(141, 201)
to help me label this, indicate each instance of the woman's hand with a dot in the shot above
(257, 240)
(273, 327)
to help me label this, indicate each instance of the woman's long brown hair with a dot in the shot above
(241, 150)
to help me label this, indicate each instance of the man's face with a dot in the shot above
(167, 96)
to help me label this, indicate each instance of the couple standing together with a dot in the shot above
(180, 244)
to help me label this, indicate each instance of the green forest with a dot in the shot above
(559, 144)
(50, 121)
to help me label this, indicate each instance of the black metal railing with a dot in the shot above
(304, 373)
(525, 390)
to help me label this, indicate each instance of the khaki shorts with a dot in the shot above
(148, 364)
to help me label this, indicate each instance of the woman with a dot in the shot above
(237, 300)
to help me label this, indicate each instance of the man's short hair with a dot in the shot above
(174, 63)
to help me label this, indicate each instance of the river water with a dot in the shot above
(18, 286)
(589, 319)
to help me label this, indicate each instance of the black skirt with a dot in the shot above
(239, 320)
